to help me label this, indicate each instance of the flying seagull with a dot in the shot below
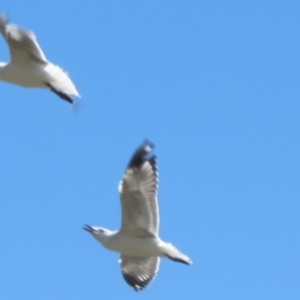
(28, 65)
(137, 240)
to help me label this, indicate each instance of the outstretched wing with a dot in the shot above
(22, 44)
(139, 271)
(138, 193)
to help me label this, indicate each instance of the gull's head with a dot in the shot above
(98, 233)
(101, 234)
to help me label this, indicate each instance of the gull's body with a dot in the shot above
(137, 240)
(28, 65)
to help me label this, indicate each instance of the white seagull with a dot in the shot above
(28, 65)
(137, 240)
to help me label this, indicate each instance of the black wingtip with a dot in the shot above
(135, 283)
(141, 154)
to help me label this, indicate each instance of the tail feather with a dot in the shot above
(175, 255)
(185, 261)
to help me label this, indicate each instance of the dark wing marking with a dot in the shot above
(138, 192)
(139, 271)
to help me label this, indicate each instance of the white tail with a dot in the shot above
(175, 255)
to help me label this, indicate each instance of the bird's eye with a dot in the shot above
(101, 230)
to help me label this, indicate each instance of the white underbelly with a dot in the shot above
(136, 246)
(24, 76)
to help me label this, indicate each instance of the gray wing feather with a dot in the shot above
(22, 44)
(138, 190)
(139, 271)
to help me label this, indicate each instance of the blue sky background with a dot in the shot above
(215, 85)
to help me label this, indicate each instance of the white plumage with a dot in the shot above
(137, 240)
(28, 65)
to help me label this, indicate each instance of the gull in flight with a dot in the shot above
(28, 65)
(137, 240)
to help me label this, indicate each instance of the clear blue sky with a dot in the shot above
(215, 85)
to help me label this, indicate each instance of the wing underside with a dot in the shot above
(138, 193)
(138, 272)
(22, 44)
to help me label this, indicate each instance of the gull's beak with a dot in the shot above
(88, 228)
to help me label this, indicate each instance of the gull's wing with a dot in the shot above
(139, 271)
(138, 190)
(22, 44)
